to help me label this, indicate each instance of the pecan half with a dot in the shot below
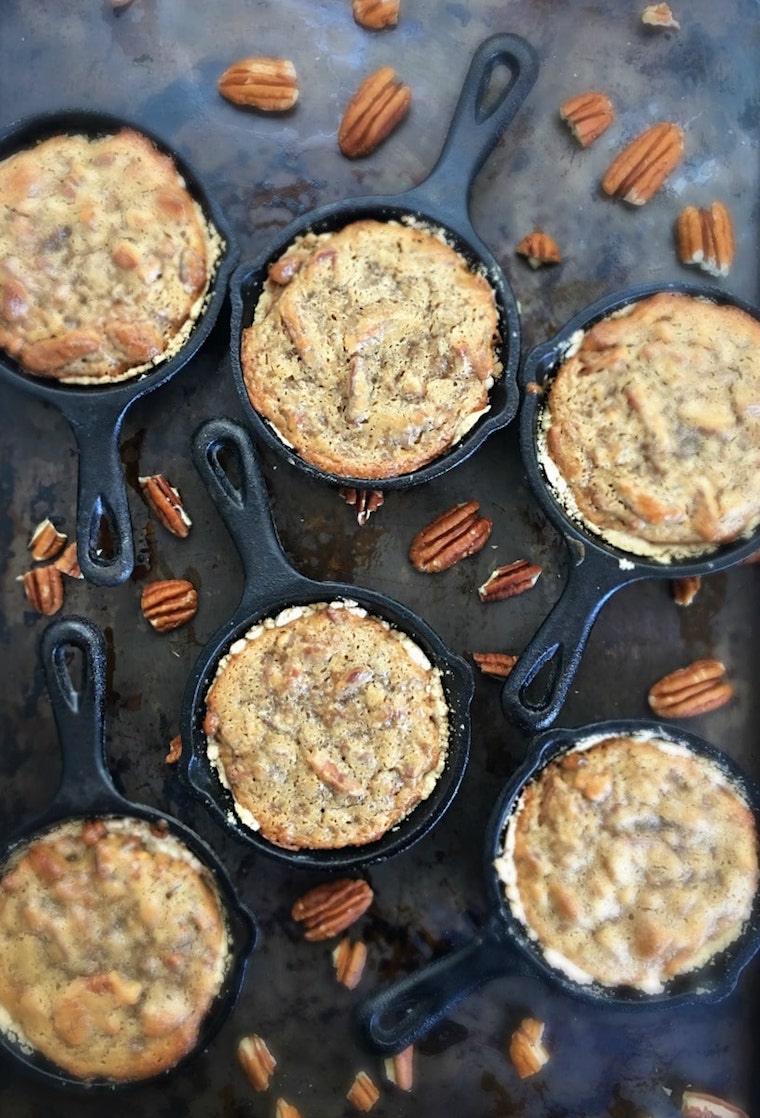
(327, 910)
(362, 1094)
(166, 504)
(375, 14)
(526, 1048)
(44, 589)
(587, 115)
(364, 501)
(378, 106)
(68, 563)
(642, 167)
(696, 1104)
(399, 1069)
(496, 664)
(539, 248)
(659, 15)
(169, 603)
(705, 237)
(175, 750)
(700, 687)
(685, 589)
(46, 542)
(452, 536)
(256, 1060)
(285, 1109)
(510, 580)
(269, 84)
(349, 959)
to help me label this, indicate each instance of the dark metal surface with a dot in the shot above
(157, 62)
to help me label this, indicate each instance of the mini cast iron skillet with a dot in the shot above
(596, 569)
(96, 413)
(86, 792)
(226, 459)
(396, 1016)
(442, 201)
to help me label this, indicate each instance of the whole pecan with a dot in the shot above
(642, 167)
(496, 664)
(379, 105)
(705, 237)
(256, 1060)
(268, 84)
(166, 504)
(539, 248)
(696, 689)
(452, 536)
(43, 587)
(327, 910)
(169, 603)
(399, 1069)
(349, 959)
(587, 115)
(510, 580)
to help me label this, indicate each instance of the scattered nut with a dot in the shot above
(68, 563)
(375, 14)
(509, 580)
(526, 1048)
(175, 750)
(363, 1094)
(256, 1060)
(268, 84)
(284, 1109)
(327, 910)
(349, 958)
(399, 1069)
(364, 501)
(587, 115)
(496, 664)
(685, 589)
(169, 603)
(166, 504)
(642, 167)
(539, 248)
(696, 1104)
(695, 689)
(705, 237)
(454, 535)
(659, 15)
(378, 106)
(46, 542)
(43, 587)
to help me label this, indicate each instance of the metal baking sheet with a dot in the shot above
(157, 62)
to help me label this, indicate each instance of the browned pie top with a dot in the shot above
(105, 258)
(327, 725)
(631, 860)
(652, 426)
(372, 348)
(112, 948)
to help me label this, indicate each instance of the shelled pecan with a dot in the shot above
(256, 1060)
(379, 105)
(268, 84)
(363, 1094)
(496, 664)
(166, 504)
(659, 15)
(327, 910)
(68, 563)
(539, 249)
(364, 501)
(526, 1048)
(43, 587)
(587, 115)
(685, 589)
(169, 603)
(375, 14)
(399, 1069)
(349, 959)
(705, 237)
(454, 535)
(46, 542)
(641, 168)
(696, 689)
(509, 581)
(697, 1104)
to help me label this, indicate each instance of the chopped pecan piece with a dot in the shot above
(659, 15)
(526, 1049)
(642, 167)
(169, 603)
(166, 503)
(379, 105)
(362, 1094)
(705, 237)
(364, 501)
(175, 750)
(700, 687)
(349, 958)
(510, 580)
(452, 536)
(46, 542)
(539, 248)
(587, 115)
(685, 589)
(68, 563)
(696, 1104)
(256, 1060)
(285, 1109)
(375, 14)
(496, 664)
(44, 589)
(268, 84)
(399, 1069)
(327, 910)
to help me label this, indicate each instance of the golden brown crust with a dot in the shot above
(104, 257)
(372, 348)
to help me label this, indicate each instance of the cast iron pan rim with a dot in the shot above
(458, 686)
(28, 131)
(247, 282)
(686, 989)
(538, 367)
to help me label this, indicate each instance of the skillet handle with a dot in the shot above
(398, 1015)
(560, 642)
(102, 503)
(479, 122)
(78, 710)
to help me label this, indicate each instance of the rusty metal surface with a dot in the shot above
(157, 63)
